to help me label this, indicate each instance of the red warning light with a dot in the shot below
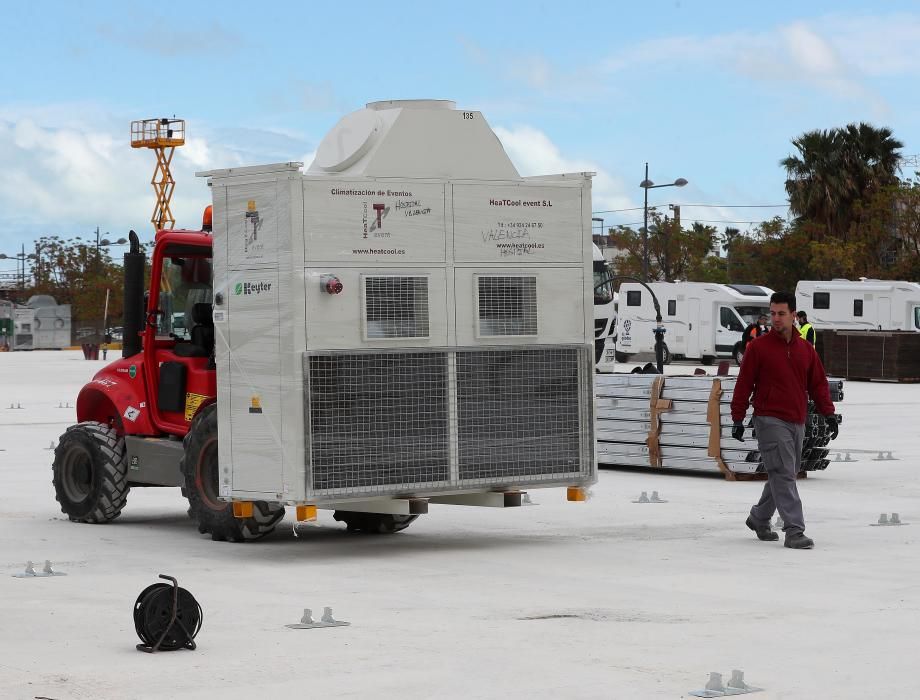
(332, 284)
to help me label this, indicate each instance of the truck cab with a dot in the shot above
(604, 311)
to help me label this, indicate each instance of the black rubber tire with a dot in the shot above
(707, 360)
(200, 471)
(373, 523)
(90, 473)
(738, 353)
(621, 357)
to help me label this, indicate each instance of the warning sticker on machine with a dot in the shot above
(192, 404)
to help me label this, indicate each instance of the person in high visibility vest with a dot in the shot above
(806, 330)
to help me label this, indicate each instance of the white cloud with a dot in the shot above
(887, 45)
(833, 55)
(148, 36)
(533, 70)
(533, 153)
(70, 168)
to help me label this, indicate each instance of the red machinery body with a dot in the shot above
(125, 393)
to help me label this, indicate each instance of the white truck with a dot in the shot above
(864, 304)
(604, 313)
(702, 321)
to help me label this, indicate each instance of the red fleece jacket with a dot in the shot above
(782, 376)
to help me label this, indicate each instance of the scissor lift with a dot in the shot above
(162, 136)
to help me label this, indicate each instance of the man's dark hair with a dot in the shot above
(802, 314)
(784, 298)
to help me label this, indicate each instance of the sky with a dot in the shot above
(713, 92)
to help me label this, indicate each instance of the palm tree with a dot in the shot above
(835, 169)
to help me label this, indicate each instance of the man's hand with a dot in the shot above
(832, 425)
(738, 431)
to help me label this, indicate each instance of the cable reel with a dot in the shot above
(166, 617)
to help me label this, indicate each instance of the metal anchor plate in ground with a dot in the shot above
(47, 570)
(308, 623)
(716, 689)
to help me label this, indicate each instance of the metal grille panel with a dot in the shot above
(519, 413)
(377, 420)
(507, 305)
(396, 307)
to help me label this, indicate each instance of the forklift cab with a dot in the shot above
(179, 358)
(185, 306)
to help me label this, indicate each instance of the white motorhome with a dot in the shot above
(861, 304)
(702, 321)
(604, 313)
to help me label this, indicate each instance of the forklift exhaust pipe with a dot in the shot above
(135, 261)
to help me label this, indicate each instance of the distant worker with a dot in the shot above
(754, 330)
(782, 370)
(806, 330)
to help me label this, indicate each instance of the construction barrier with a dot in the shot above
(888, 355)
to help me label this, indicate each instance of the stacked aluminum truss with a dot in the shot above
(685, 423)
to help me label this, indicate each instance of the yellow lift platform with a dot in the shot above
(162, 136)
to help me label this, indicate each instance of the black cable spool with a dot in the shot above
(166, 617)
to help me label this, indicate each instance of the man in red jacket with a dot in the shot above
(782, 370)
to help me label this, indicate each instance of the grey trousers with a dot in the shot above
(780, 446)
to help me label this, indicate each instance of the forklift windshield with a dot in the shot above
(184, 282)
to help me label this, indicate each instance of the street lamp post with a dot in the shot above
(600, 220)
(647, 185)
(20, 259)
(106, 242)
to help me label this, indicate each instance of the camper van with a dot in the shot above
(864, 304)
(604, 313)
(702, 321)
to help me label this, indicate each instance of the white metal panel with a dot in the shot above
(414, 138)
(336, 321)
(253, 213)
(518, 224)
(373, 221)
(255, 382)
(560, 315)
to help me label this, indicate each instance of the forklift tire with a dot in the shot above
(90, 473)
(373, 523)
(707, 360)
(621, 357)
(201, 473)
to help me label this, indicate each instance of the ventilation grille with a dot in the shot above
(401, 421)
(377, 420)
(518, 413)
(396, 307)
(507, 306)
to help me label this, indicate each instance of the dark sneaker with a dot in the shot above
(763, 531)
(799, 541)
